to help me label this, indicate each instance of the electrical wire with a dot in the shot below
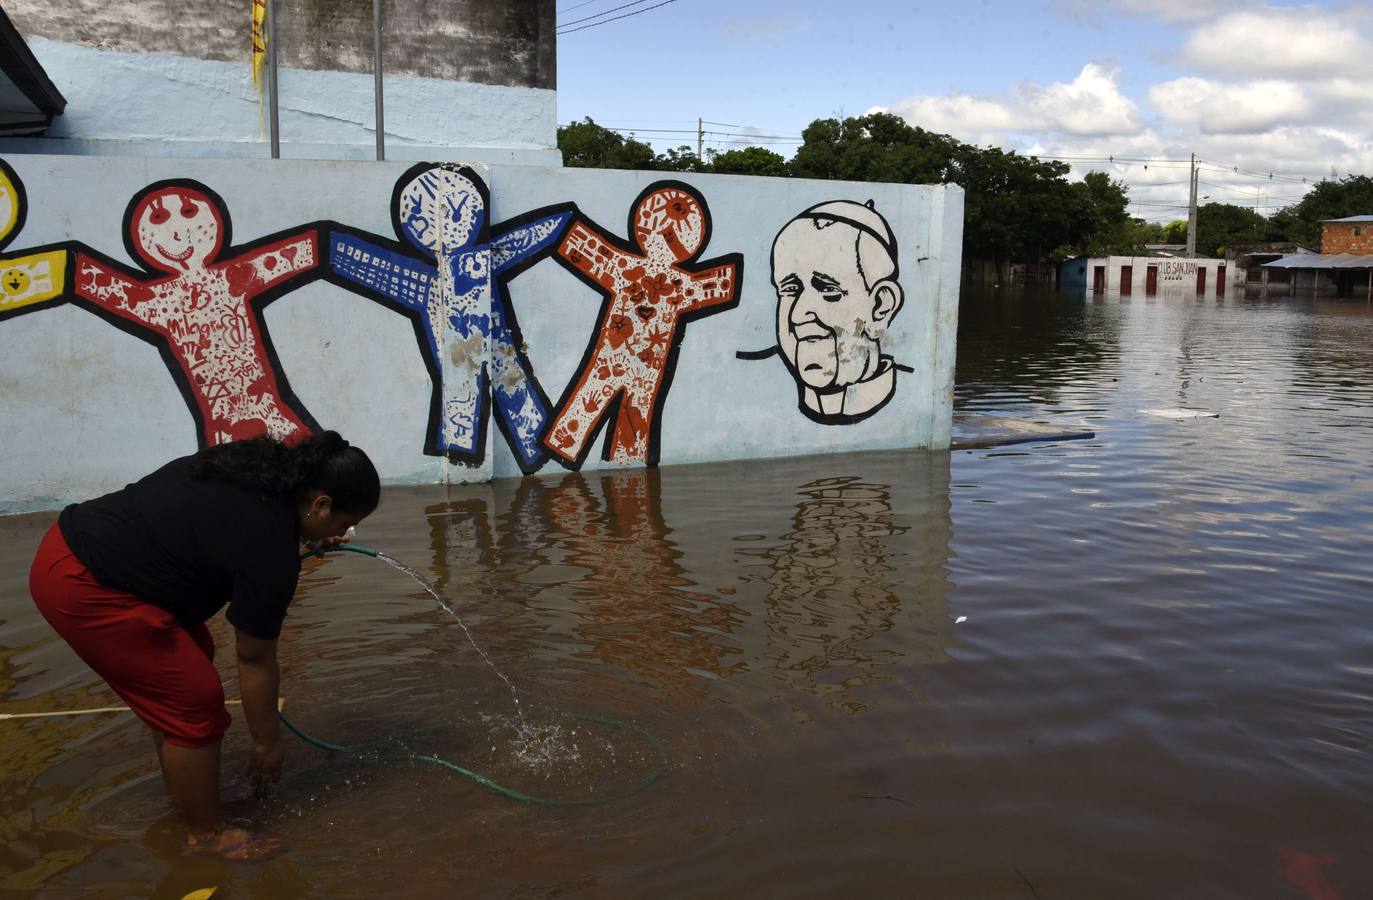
(603, 13)
(576, 6)
(616, 18)
(1270, 176)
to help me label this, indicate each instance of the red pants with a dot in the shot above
(164, 671)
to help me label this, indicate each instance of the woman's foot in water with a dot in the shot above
(237, 845)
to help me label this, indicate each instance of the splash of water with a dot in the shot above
(402, 567)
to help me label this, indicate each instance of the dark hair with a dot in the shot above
(322, 462)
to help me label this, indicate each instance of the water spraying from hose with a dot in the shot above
(534, 740)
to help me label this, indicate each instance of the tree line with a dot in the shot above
(1018, 208)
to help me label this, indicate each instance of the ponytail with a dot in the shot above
(323, 462)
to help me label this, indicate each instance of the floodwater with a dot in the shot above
(1136, 666)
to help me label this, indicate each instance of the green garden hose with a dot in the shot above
(350, 548)
(513, 794)
(650, 740)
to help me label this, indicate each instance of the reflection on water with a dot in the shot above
(1159, 685)
(833, 582)
(730, 609)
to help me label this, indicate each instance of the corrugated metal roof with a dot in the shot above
(1323, 261)
(1350, 219)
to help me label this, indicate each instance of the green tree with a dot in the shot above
(1101, 225)
(1221, 224)
(1328, 199)
(1175, 232)
(750, 161)
(588, 145)
(679, 159)
(876, 147)
(1016, 207)
(1150, 232)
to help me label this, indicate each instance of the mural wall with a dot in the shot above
(410, 306)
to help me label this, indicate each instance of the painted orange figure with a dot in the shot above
(205, 313)
(651, 288)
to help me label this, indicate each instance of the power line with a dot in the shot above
(744, 134)
(1271, 176)
(616, 18)
(1123, 160)
(604, 12)
(771, 138)
(1244, 191)
(577, 6)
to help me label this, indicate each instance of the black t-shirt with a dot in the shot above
(191, 545)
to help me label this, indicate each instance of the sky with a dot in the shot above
(1129, 87)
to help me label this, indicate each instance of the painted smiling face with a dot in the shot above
(14, 282)
(441, 210)
(177, 229)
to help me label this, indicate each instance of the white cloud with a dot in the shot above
(961, 113)
(1090, 104)
(1154, 165)
(1263, 89)
(1298, 43)
(1247, 108)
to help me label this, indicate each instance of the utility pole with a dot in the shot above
(274, 114)
(377, 69)
(1192, 211)
(700, 137)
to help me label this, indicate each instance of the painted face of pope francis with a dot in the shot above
(834, 267)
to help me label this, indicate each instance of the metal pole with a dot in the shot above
(376, 75)
(1192, 211)
(273, 111)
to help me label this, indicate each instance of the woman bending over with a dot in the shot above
(129, 580)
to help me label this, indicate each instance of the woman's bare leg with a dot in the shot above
(192, 778)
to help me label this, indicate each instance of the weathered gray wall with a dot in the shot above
(499, 42)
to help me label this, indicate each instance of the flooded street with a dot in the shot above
(1135, 666)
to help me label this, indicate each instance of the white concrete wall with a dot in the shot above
(1175, 276)
(87, 407)
(162, 104)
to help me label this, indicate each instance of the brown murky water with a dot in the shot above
(1163, 686)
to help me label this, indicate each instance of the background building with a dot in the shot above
(1144, 275)
(1344, 266)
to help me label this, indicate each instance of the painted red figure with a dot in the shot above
(650, 290)
(200, 309)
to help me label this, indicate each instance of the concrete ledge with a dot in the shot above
(979, 432)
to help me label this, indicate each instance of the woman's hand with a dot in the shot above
(264, 765)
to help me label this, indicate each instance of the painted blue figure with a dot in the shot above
(468, 332)
(521, 405)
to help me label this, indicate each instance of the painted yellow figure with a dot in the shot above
(31, 278)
